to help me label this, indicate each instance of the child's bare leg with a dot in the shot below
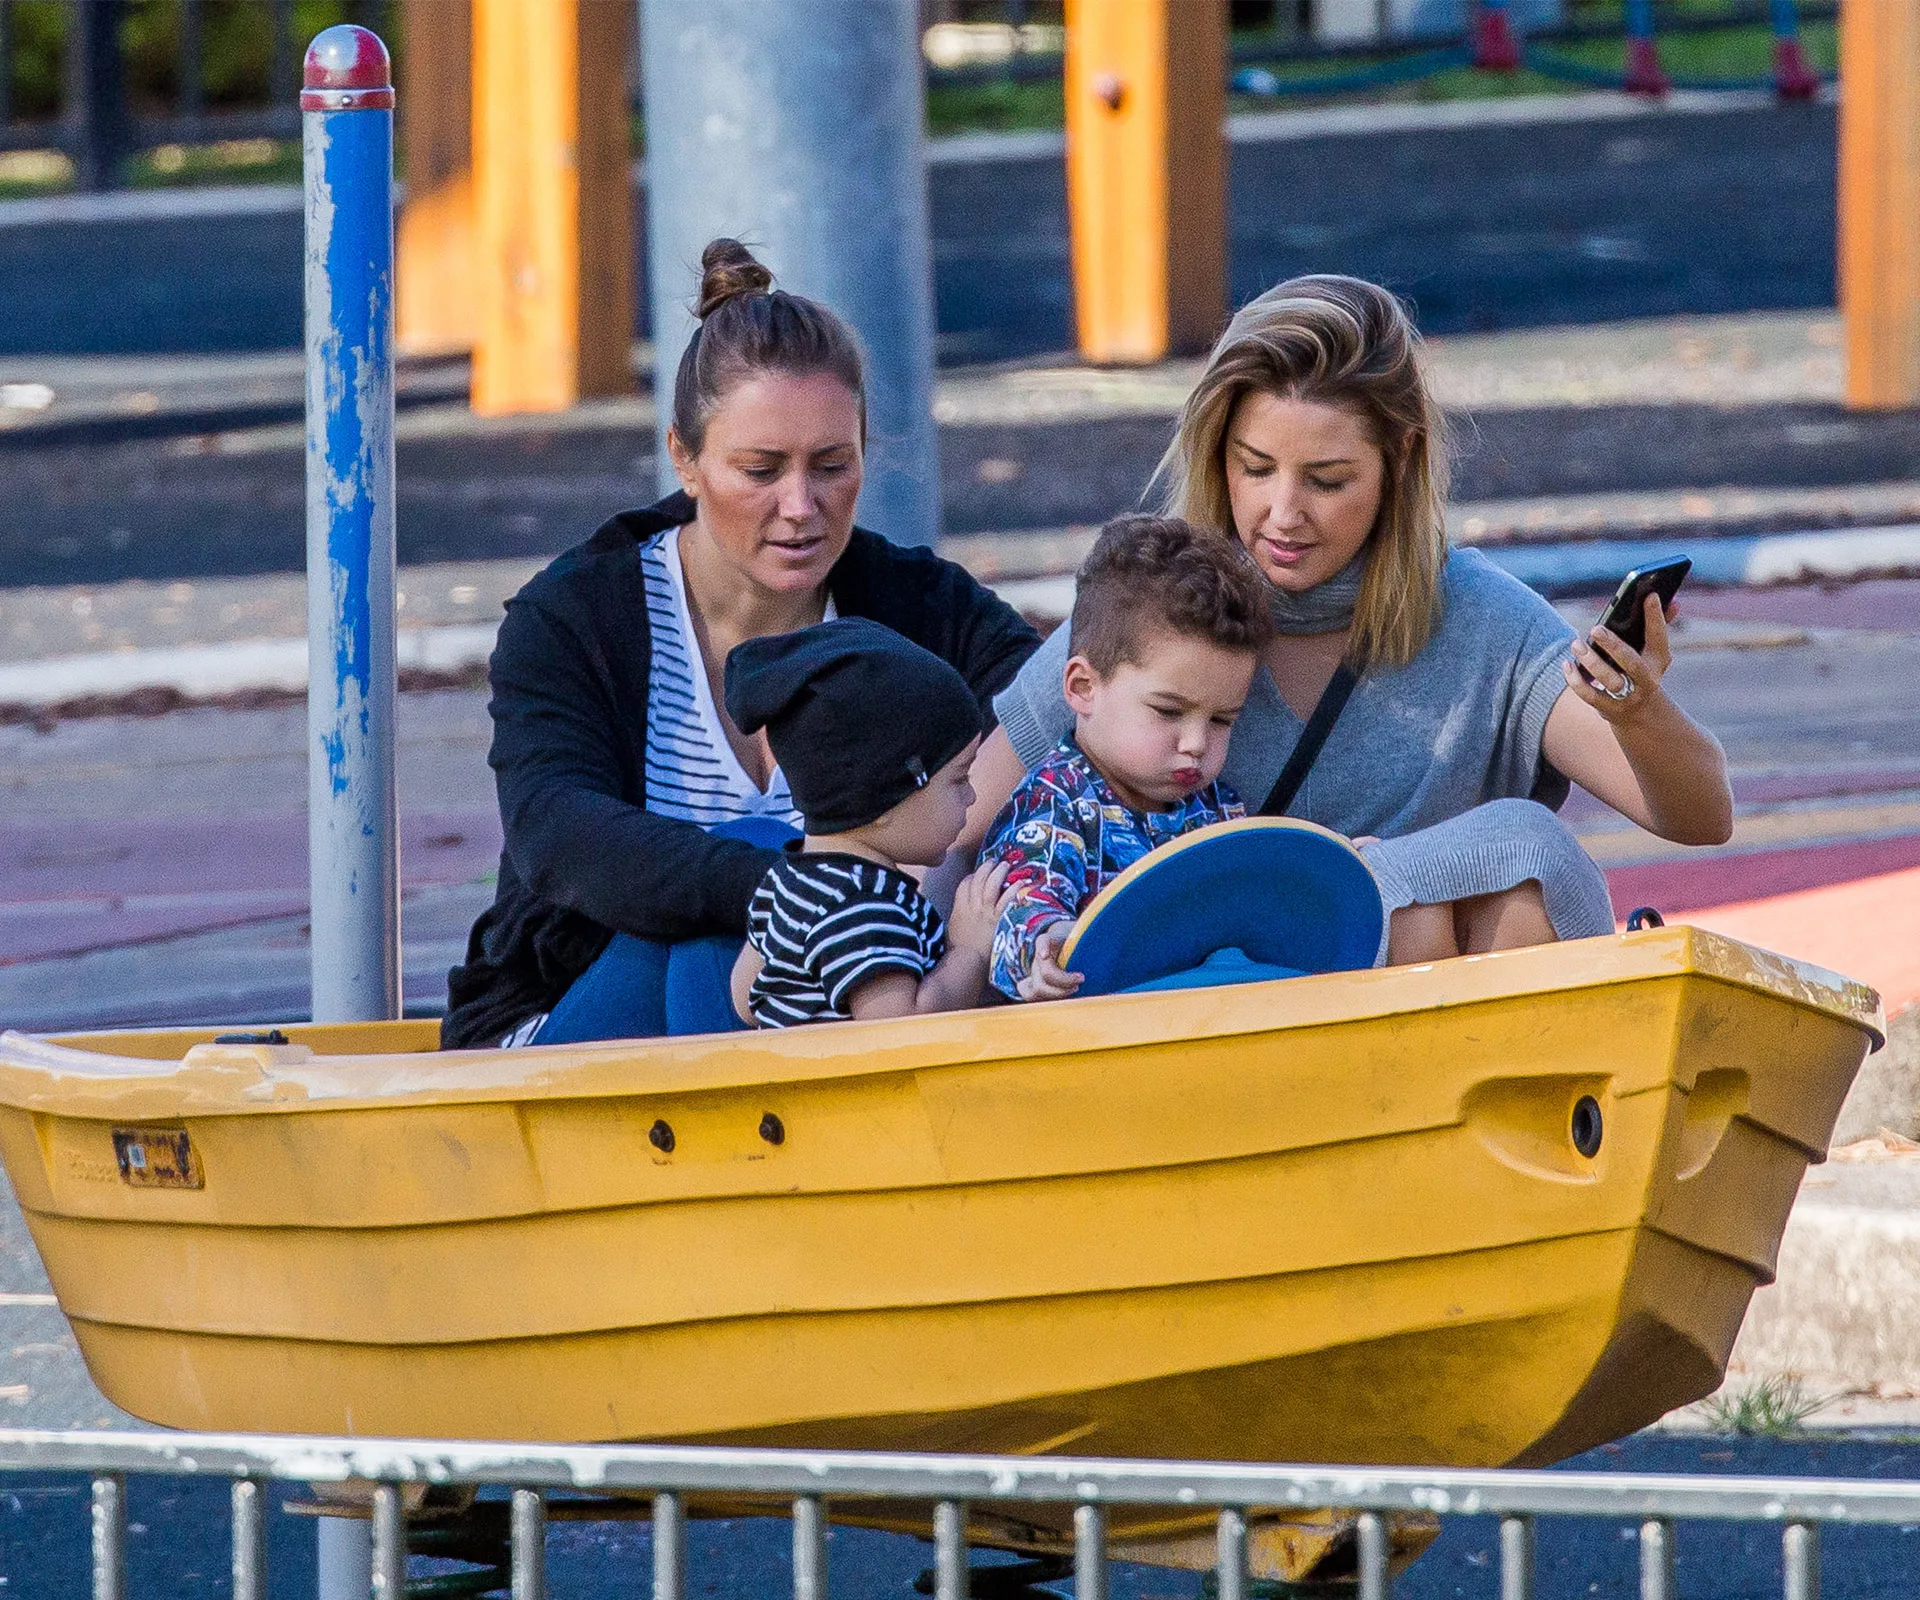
(1421, 933)
(1509, 920)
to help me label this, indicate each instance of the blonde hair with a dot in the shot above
(1342, 342)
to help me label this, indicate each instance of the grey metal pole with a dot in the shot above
(1800, 1553)
(799, 129)
(352, 805)
(809, 1549)
(1516, 1558)
(669, 1547)
(950, 1581)
(1231, 1564)
(110, 1537)
(249, 1540)
(529, 1545)
(1656, 1559)
(389, 1543)
(1370, 1539)
(1090, 1553)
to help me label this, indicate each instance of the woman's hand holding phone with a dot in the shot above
(1617, 680)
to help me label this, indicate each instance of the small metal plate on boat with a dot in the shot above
(157, 1158)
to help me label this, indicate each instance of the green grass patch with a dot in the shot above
(227, 161)
(1728, 53)
(1773, 1408)
(994, 107)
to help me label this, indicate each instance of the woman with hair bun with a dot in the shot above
(1455, 695)
(638, 818)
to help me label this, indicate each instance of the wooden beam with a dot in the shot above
(1147, 175)
(553, 203)
(1880, 202)
(434, 305)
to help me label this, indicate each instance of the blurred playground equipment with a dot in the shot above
(518, 247)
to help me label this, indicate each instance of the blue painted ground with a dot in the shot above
(178, 1543)
(1482, 226)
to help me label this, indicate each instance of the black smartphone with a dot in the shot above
(1626, 613)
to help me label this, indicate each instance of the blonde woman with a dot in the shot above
(1448, 694)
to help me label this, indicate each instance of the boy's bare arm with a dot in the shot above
(959, 979)
(746, 968)
(890, 994)
(956, 982)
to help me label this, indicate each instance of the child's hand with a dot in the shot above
(977, 903)
(1049, 980)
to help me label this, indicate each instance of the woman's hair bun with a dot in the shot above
(727, 271)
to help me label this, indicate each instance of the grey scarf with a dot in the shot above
(1326, 608)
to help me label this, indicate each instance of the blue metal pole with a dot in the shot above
(352, 817)
(346, 106)
(798, 128)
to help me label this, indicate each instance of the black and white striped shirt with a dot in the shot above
(692, 771)
(825, 924)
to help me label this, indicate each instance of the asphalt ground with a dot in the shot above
(1698, 425)
(178, 1541)
(155, 869)
(221, 505)
(1509, 216)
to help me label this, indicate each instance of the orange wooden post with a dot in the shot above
(434, 288)
(1880, 202)
(1147, 175)
(553, 203)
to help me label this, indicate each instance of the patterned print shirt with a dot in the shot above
(826, 923)
(1065, 836)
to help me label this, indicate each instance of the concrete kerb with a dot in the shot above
(1886, 1098)
(1843, 1314)
(1031, 571)
(210, 671)
(1840, 555)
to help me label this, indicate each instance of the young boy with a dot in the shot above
(1168, 623)
(875, 736)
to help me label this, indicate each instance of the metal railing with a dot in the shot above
(98, 124)
(808, 1479)
(1290, 40)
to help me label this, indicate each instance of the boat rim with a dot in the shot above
(59, 1075)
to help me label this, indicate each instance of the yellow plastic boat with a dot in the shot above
(1492, 1211)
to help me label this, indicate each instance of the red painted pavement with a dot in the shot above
(1868, 929)
(1686, 883)
(68, 887)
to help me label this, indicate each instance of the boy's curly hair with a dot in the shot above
(1148, 575)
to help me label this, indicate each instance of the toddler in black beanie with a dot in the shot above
(876, 737)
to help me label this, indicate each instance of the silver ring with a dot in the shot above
(1617, 694)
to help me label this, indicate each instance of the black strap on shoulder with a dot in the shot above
(1333, 700)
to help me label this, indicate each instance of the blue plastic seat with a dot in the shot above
(1240, 902)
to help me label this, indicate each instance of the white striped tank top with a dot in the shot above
(692, 771)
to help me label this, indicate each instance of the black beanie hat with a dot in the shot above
(857, 716)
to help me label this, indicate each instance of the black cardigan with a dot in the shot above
(583, 858)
